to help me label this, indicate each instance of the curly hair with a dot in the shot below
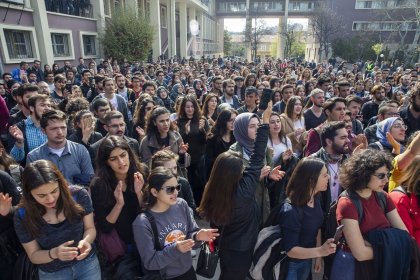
(356, 172)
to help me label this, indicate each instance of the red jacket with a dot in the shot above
(409, 210)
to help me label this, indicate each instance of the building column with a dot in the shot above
(155, 22)
(141, 7)
(170, 10)
(281, 42)
(42, 32)
(183, 29)
(202, 34)
(192, 15)
(98, 8)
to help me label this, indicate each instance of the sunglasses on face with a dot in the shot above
(171, 189)
(382, 176)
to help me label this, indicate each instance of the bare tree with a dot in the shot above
(291, 36)
(403, 16)
(325, 24)
(259, 30)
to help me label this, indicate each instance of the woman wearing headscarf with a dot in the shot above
(390, 133)
(177, 90)
(163, 94)
(245, 132)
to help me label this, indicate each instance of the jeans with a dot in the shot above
(343, 266)
(87, 269)
(299, 270)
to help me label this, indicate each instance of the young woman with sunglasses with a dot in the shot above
(390, 133)
(54, 223)
(117, 189)
(177, 231)
(365, 175)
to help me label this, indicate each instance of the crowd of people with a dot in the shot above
(106, 168)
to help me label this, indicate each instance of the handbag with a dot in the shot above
(207, 260)
(153, 274)
(111, 245)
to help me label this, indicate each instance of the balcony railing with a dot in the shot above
(81, 8)
(266, 7)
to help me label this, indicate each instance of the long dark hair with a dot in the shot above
(151, 128)
(303, 181)
(157, 178)
(217, 202)
(206, 104)
(104, 172)
(139, 118)
(220, 127)
(36, 174)
(197, 111)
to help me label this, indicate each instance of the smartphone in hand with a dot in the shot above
(338, 233)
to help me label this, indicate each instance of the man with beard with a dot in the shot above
(217, 85)
(229, 96)
(27, 134)
(115, 125)
(23, 95)
(125, 92)
(71, 158)
(411, 114)
(314, 116)
(335, 150)
(370, 108)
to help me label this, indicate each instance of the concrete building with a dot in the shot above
(54, 32)
(390, 22)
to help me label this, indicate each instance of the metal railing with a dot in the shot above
(81, 8)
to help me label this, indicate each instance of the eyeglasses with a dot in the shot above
(382, 176)
(148, 108)
(403, 126)
(171, 189)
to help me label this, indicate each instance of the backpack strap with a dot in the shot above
(356, 201)
(401, 190)
(152, 222)
(380, 196)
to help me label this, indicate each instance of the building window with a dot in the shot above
(89, 45)
(19, 44)
(60, 44)
(163, 17)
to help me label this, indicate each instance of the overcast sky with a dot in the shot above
(238, 24)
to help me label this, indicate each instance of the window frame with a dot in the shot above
(70, 43)
(5, 50)
(82, 44)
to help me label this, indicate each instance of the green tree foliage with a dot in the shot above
(127, 36)
(357, 47)
(227, 43)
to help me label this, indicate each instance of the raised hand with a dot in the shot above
(17, 134)
(138, 183)
(183, 148)
(118, 194)
(276, 174)
(5, 204)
